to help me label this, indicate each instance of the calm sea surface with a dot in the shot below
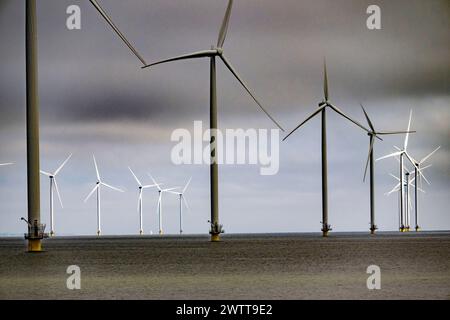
(260, 266)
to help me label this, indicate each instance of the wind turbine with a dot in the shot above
(141, 189)
(322, 110)
(182, 198)
(97, 188)
(54, 185)
(401, 153)
(407, 182)
(159, 206)
(372, 135)
(418, 175)
(213, 53)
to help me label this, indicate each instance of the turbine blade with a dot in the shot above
(6, 164)
(169, 189)
(336, 109)
(394, 189)
(57, 192)
(135, 178)
(149, 186)
(224, 27)
(90, 194)
(372, 140)
(185, 202)
(96, 169)
(407, 135)
(429, 155)
(368, 119)
(111, 187)
(195, 55)
(46, 173)
(390, 155)
(394, 176)
(325, 80)
(233, 71)
(306, 120)
(139, 198)
(63, 164)
(116, 30)
(186, 186)
(157, 184)
(394, 132)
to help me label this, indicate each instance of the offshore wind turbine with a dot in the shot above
(322, 110)
(370, 164)
(182, 199)
(140, 200)
(216, 51)
(54, 186)
(159, 205)
(97, 188)
(418, 175)
(402, 153)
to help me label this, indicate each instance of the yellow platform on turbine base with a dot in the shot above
(215, 237)
(34, 245)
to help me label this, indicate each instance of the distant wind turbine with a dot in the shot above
(140, 200)
(322, 110)
(402, 153)
(372, 135)
(182, 199)
(54, 185)
(159, 205)
(213, 53)
(97, 188)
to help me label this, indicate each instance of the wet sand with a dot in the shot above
(284, 266)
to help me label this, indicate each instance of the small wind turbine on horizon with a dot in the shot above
(323, 105)
(159, 205)
(97, 188)
(216, 51)
(372, 135)
(140, 200)
(54, 185)
(182, 199)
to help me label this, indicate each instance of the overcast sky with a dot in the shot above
(94, 98)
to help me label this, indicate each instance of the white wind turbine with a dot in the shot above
(54, 185)
(140, 200)
(159, 206)
(97, 188)
(182, 198)
(401, 153)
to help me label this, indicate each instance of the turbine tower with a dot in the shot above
(322, 110)
(35, 228)
(370, 163)
(402, 153)
(97, 188)
(54, 185)
(216, 51)
(159, 205)
(182, 199)
(141, 189)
